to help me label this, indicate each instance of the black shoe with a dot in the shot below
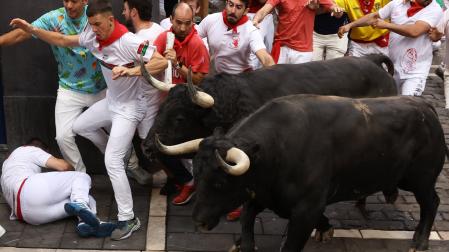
(439, 72)
(169, 188)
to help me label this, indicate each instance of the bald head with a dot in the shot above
(182, 10)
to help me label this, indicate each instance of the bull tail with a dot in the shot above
(381, 59)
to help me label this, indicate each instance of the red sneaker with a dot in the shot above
(187, 191)
(234, 215)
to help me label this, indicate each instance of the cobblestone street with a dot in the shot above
(170, 228)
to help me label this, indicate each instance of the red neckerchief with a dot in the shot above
(415, 7)
(276, 51)
(119, 31)
(366, 8)
(231, 26)
(180, 44)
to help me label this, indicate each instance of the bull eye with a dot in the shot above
(179, 118)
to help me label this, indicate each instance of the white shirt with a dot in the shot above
(126, 96)
(412, 57)
(230, 51)
(443, 27)
(22, 163)
(151, 33)
(166, 23)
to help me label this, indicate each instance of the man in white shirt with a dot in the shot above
(129, 99)
(138, 14)
(410, 48)
(66, 192)
(232, 38)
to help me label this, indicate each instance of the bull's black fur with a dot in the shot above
(309, 151)
(238, 95)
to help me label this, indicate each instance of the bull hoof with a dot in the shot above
(324, 236)
(236, 248)
(415, 250)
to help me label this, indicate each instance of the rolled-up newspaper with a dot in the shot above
(169, 45)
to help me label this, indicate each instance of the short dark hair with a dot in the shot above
(143, 7)
(37, 142)
(98, 7)
(245, 2)
(176, 7)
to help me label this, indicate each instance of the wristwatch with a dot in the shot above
(178, 65)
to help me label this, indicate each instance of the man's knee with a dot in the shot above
(65, 138)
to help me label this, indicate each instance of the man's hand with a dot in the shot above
(337, 11)
(434, 34)
(21, 24)
(312, 4)
(380, 24)
(120, 71)
(170, 54)
(343, 29)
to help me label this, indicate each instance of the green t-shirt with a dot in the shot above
(78, 69)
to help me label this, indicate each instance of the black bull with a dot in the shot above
(236, 96)
(309, 151)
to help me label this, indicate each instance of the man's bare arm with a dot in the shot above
(409, 30)
(58, 164)
(14, 37)
(265, 58)
(156, 65)
(265, 10)
(53, 38)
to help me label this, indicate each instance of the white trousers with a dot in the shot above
(43, 195)
(291, 56)
(412, 86)
(267, 32)
(329, 46)
(69, 105)
(116, 147)
(362, 49)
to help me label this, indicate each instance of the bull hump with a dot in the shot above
(363, 108)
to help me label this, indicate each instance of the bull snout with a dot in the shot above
(149, 147)
(205, 219)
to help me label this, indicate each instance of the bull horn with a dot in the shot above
(165, 87)
(202, 99)
(178, 149)
(236, 156)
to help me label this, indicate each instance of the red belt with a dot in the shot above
(19, 210)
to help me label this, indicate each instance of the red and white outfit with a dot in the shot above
(151, 33)
(129, 101)
(293, 41)
(191, 52)
(266, 29)
(230, 46)
(412, 57)
(443, 27)
(36, 197)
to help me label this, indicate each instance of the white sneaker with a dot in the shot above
(139, 174)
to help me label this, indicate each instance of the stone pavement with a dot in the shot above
(61, 234)
(170, 228)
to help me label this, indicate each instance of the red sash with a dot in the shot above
(19, 209)
(381, 41)
(366, 8)
(242, 20)
(276, 51)
(180, 44)
(118, 32)
(415, 7)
